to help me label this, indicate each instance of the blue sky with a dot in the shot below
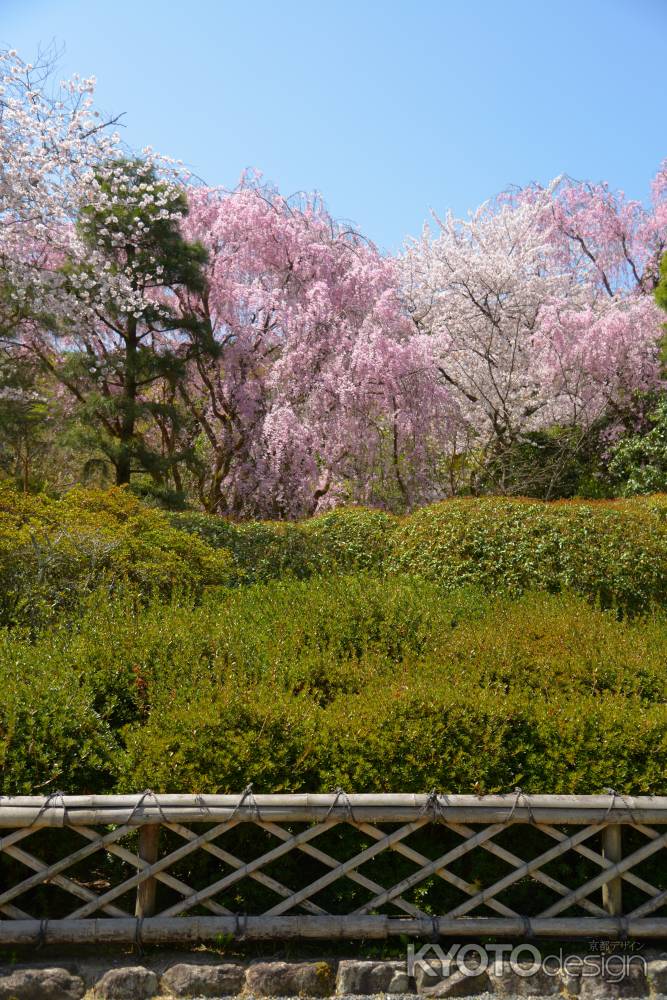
(387, 107)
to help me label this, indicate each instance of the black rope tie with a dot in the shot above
(520, 795)
(48, 802)
(138, 935)
(432, 807)
(436, 806)
(41, 933)
(202, 804)
(340, 793)
(148, 793)
(247, 794)
(612, 792)
(614, 796)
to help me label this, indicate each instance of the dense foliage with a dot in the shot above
(612, 552)
(355, 648)
(55, 551)
(406, 686)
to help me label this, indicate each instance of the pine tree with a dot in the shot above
(128, 335)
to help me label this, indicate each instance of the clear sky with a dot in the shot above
(387, 107)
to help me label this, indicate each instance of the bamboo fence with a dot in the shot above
(176, 868)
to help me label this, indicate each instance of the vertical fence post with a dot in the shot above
(612, 892)
(149, 839)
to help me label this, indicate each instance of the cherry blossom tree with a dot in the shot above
(90, 253)
(51, 141)
(320, 393)
(539, 309)
(277, 357)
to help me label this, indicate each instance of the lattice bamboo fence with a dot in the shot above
(185, 868)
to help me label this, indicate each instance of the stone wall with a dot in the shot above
(197, 976)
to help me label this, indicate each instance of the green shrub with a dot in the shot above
(638, 462)
(51, 736)
(351, 538)
(259, 550)
(339, 541)
(402, 686)
(369, 683)
(52, 552)
(614, 554)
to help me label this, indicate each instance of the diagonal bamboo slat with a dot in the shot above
(176, 868)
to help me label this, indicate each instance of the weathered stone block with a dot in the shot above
(607, 987)
(290, 979)
(132, 982)
(524, 981)
(656, 975)
(40, 984)
(458, 984)
(190, 980)
(365, 978)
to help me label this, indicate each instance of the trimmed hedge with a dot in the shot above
(52, 552)
(401, 686)
(340, 541)
(142, 652)
(612, 552)
(370, 684)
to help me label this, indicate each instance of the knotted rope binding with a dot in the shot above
(519, 794)
(139, 803)
(247, 793)
(340, 793)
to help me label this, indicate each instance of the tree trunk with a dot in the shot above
(129, 402)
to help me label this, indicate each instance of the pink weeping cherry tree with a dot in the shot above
(320, 393)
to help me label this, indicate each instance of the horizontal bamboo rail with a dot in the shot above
(146, 846)
(158, 930)
(73, 810)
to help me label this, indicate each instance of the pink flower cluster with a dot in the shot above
(321, 391)
(540, 306)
